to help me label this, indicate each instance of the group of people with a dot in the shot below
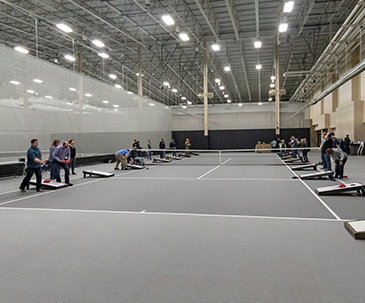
(335, 149)
(298, 147)
(61, 156)
(330, 147)
(125, 156)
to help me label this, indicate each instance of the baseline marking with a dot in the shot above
(214, 168)
(169, 214)
(318, 198)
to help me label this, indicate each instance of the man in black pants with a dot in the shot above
(162, 147)
(34, 166)
(61, 158)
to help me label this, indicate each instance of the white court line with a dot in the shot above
(214, 168)
(318, 198)
(27, 196)
(205, 179)
(169, 214)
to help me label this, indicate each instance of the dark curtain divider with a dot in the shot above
(236, 139)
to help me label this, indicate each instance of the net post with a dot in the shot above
(220, 157)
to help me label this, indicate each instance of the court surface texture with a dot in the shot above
(182, 234)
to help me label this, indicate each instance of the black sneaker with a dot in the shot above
(74, 173)
(69, 184)
(116, 168)
(40, 190)
(22, 190)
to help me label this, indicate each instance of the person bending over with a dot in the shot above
(61, 158)
(340, 158)
(134, 157)
(34, 166)
(121, 156)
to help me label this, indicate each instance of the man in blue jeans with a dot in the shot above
(34, 166)
(327, 144)
(61, 158)
(323, 151)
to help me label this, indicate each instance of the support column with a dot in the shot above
(205, 76)
(139, 70)
(277, 88)
(79, 62)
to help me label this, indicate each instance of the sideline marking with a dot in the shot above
(318, 198)
(205, 179)
(169, 214)
(214, 168)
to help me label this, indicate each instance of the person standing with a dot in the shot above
(173, 147)
(340, 158)
(274, 145)
(61, 158)
(327, 144)
(149, 145)
(50, 158)
(323, 152)
(34, 166)
(304, 151)
(73, 156)
(347, 144)
(121, 156)
(162, 147)
(187, 147)
(294, 145)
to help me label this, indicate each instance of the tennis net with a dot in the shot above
(232, 157)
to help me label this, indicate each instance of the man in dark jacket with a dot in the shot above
(162, 147)
(173, 147)
(327, 144)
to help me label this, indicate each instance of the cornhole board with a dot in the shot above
(91, 172)
(305, 166)
(330, 190)
(155, 160)
(318, 174)
(173, 158)
(292, 160)
(356, 228)
(48, 184)
(135, 166)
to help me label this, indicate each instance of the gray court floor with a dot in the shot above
(182, 233)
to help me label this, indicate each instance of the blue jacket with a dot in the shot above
(123, 152)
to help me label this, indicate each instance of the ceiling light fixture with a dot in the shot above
(70, 58)
(105, 101)
(258, 66)
(273, 77)
(103, 55)
(272, 85)
(218, 80)
(37, 80)
(229, 101)
(21, 50)
(283, 27)
(288, 6)
(183, 98)
(226, 96)
(30, 91)
(64, 27)
(88, 95)
(270, 99)
(216, 47)
(166, 83)
(174, 90)
(49, 97)
(117, 86)
(189, 102)
(112, 76)
(221, 87)
(73, 89)
(168, 20)
(14, 82)
(98, 43)
(258, 44)
(184, 37)
(129, 92)
(227, 68)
